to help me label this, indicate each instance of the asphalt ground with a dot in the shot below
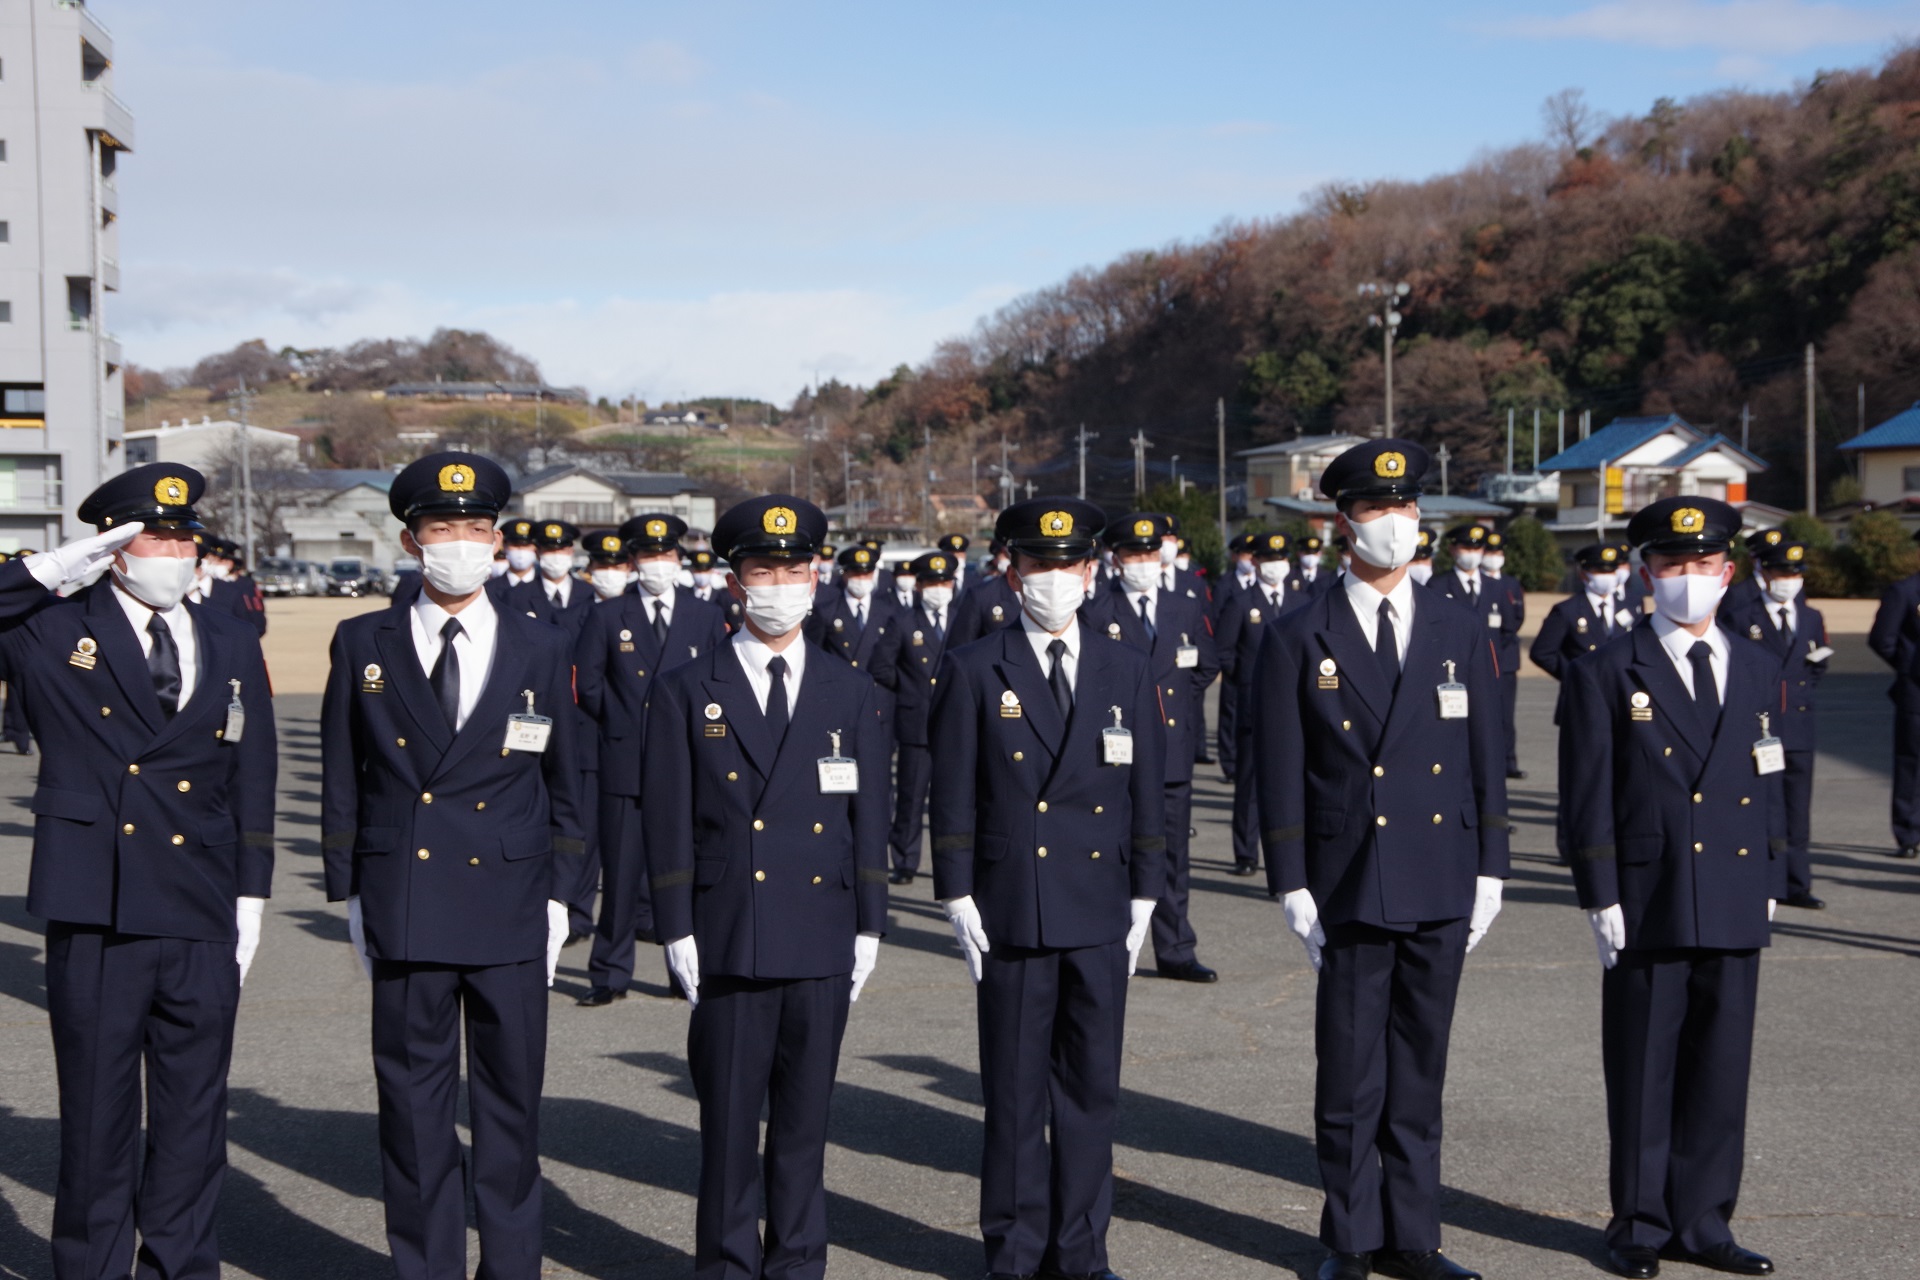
(1214, 1167)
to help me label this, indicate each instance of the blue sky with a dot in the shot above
(726, 197)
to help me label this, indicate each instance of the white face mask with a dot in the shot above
(608, 583)
(859, 585)
(825, 570)
(1468, 560)
(1052, 598)
(1688, 598)
(778, 609)
(1387, 541)
(1784, 588)
(1493, 563)
(555, 565)
(1272, 572)
(1000, 564)
(1183, 563)
(519, 559)
(220, 571)
(1168, 550)
(499, 569)
(1310, 568)
(657, 576)
(1421, 571)
(1244, 569)
(704, 580)
(159, 582)
(1140, 575)
(1601, 584)
(936, 598)
(457, 568)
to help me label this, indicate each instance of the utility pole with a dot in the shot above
(1443, 454)
(1536, 439)
(1509, 442)
(1173, 473)
(1811, 500)
(1085, 436)
(1860, 410)
(246, 476)
(1007, 482)
(1389, 320)
(1561, 436)
(1220, 420)
(846, 484)
(1746, 424)
(1140, 445)
(926, 493)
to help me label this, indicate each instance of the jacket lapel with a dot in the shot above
(120, 649)
(679, 632)
(1653, 671)
(401, 662)
(501, 697)
(1094, 698)
(813, 714)
(1353, 657)
(211, 658)
(1422, 671)
(728, 686)
(1024, 675)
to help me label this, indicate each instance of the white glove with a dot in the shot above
(1609, 933)
(970, 931)
(683, 957)
(1303, 917)
(54, 569)
(1486, 905)
(866, 953)
(357, 933)
(1142, 909)
(557, 930)
(247, 913)
(1771, 904)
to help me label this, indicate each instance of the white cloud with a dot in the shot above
(1751, 27)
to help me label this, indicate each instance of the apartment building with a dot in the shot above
(62, 133)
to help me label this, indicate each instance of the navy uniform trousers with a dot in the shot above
(907, 663)
(120, 1002)
(13, 723)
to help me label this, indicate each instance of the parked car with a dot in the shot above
(278, 576)
(347, 577)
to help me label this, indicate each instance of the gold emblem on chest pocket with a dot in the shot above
(86, 653)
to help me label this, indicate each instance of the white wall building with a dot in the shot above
(62, 132)
(206, 444)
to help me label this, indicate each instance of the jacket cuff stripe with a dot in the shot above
(337, 840)
(258, 839)
(1285, 835)
(873, 875)
(1594, 853)
(568, 844)
(673, 879)
(953, 843)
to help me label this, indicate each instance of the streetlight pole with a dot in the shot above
(1392, 296)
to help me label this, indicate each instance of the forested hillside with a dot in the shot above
(1679, 260)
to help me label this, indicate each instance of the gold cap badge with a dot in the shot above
(1689, 520)
(1609, 554)
(1056, 524)
(938, 564)
(656, 528)
(779, 520)
(1390, 465)
(1796, 553)
(1773, 537)
(171, 491)
(1143, 528)
(457, 477)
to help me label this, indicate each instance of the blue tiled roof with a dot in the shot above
(1901, 431)
(1613, 441)
(1708, 445)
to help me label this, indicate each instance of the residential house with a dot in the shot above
(1631, 462)
(207, 445)
(1292, 468)
(1889, 460)
(595, 500)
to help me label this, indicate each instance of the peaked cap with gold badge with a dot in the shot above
(776, 527)
(159, 494)
(1376, 469)
(606, 546)
(1138, 531)
(1057, 529)
(653, 532)
(450, 484)
(1686, 525)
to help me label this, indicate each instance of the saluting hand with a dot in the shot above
(56, 568)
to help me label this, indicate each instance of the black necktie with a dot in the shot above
(1706, 694)
(1386, 646)
(777, 697)
(660, 622)
(1057, 679)
(1473, 596)
(163, 664)
(445, 676)
(1606, 617)
(1273, 601)
(860, 615)
(1785, 630)
(1145, 620)
(939, 631)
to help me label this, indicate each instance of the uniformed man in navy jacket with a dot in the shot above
(1277, 591)
(1500, 604)
(523, 559)
(152, 862)
(1049, 854)
(1895, 637)
(1587, 619)
(553, 594)
(1793, 631)
(1172, 630)
(450, 783)
(987, 605)
(859, 622)
(907, 663)
(1227, 598)
(1383, 810)
(765, 796)
(625, 646)
(1676, 829)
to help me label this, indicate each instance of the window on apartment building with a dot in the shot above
(1910, 480)
(79, 301)
(3, 150)
(24, 398)
(6, 232)
(6, 313)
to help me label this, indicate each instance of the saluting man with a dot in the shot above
(1675, 826)
(450, 784)
(908, 664)
(1795, 633)
(1243, 627)
(1049, 854)
(1172, 630)
(152, 863)
(1384, 814)
(1588, 618)
(622, 651)
(1895, 637)
(765, 797)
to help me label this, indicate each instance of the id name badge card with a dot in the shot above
(1116, 743)
(1453, 696)
(1768, 755)
(236, 716)
(1493, 616)
(528, 732)
(1623, 617)
(839, 775)
(1187, 655)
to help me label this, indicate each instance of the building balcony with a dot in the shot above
(92, 30)
(106, 114)
(110, 274)
(110, 351)
(109, 198)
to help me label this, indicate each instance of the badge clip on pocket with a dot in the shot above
(527, 732)
(1116, 743)
(1769, 756)
(839, 775)
(236, 716)
(1453, 696)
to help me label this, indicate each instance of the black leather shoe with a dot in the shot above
(1909, 852)
(24, 748)
(1346, 1266)
(899, 877)
(1516, 774)
(600, 996)
(1431, 1264)
(1191, 971)
(1725, 1256)
(1242, 869)
(1805, 901)
(1635, 1261)
(576, 937)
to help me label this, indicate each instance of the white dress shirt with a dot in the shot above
(178, 621)
(1677, 640)
(1041, 639)
(662, 603)
(1773, 613)
(1152, 596)
(754, 657)
(1469, 580)
(1366, 608)
(515, 576)
(903, 592)
(473, 647)
(559, 591)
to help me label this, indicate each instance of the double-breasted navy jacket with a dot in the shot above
(1758, 620)
(616, 661)
(1180, 691)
